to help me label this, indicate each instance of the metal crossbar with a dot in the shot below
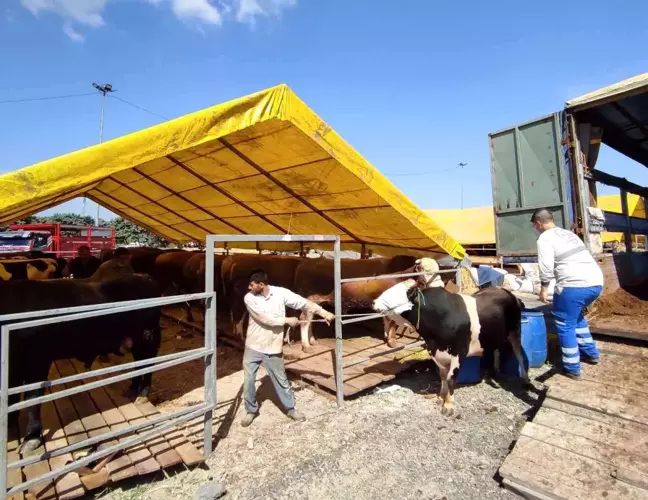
(404, 275)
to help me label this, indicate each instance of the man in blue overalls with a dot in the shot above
(579, 282)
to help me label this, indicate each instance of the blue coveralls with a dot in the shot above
(573, 331)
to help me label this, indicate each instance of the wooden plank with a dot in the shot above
(120, 467)
(68, 486)
(618, 371)
(41, 491)
(72, 429)
(187, 452)
(622, 348)
(614, 433)
(614, 332)
(561, 474)
(620, 402)
(608, 452)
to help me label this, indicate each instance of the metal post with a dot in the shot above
(210, 343)
(4, 404)
(627, 234)
(339, 368)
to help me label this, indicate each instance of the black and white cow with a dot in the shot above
(455, 326)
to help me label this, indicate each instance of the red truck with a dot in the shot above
(60, 239)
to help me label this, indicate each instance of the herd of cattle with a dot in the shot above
(453, 325)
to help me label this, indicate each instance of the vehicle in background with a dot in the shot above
(60, 239)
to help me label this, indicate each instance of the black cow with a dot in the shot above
(33, 350)
(455, 326)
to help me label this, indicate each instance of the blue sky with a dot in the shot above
(414, 85)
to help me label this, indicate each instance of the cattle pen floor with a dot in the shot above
(88, 414)
(589, 439)
(318, 368)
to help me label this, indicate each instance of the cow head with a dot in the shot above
(431, 268)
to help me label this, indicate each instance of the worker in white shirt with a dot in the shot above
(579, 281)
(266, 306)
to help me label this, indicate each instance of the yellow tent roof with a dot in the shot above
(261, 164)
(612, 203)
(469, 226)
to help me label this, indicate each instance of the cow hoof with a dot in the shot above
(447, 410)
(313, 341)
(432, 396)
(140, 400)
(308, 349)
(29, 445)
(392, 343)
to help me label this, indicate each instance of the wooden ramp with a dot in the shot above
(88, 414)
(589, 440)
(317, 368)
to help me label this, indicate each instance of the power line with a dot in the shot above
(138, 107)
(14, 101)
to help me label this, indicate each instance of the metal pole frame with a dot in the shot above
(71, 314)
(212, 239)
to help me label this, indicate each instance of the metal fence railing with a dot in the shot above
(20, 321)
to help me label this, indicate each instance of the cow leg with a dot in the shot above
(390, 332)
(451, 376)
(190, 317)
(33, 437)
(516, 343)
(306, 333)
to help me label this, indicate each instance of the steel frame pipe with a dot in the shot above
(103, 371)
(107, 381)
(160, 301)
(389, 276)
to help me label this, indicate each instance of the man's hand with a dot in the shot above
(543, 295)
(328, 317)
(292, 322)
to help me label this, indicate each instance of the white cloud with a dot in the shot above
(90, 12)
(74, 35)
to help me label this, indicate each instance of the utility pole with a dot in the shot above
(103, 89)
(461, 165)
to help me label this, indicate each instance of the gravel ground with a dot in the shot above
(390, 444)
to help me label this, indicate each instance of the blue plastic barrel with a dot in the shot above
(534, 344)
(470, 371)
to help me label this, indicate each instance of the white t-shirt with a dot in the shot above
(563, 256)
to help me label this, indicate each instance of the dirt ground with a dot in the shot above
(625, 309)
(393, 443)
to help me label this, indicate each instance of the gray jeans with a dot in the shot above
(274, 365)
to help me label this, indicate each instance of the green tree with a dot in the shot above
(128, 233)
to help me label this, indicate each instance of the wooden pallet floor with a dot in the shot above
(318, 368)
(589, 439)
(88, 414)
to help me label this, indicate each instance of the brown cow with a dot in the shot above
(28, 269)
(314, 280)
(193, 278)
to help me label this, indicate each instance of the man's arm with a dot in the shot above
(261, 317)
(295, 301)
(545, 264)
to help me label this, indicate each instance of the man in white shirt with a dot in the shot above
(266, 306)
(579, 282)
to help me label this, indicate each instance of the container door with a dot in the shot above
(528, 171)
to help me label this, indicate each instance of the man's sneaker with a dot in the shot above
(590, 361)
(295, 415)
(247, 419)
(573, 376)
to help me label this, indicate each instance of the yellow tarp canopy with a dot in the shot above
(469, 226)
(476, 226)
(261, 164)
(612, 203)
